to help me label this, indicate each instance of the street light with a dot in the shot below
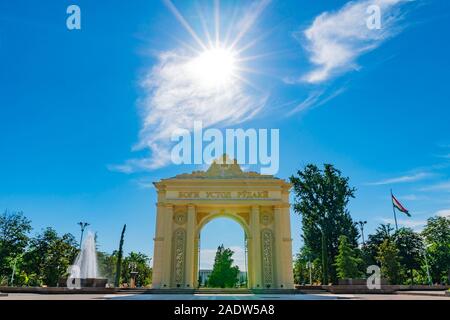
(424, 252)
(310, 266)
(361, 226)
(83, 225)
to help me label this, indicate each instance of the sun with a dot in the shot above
(220, 58)
(214, 67)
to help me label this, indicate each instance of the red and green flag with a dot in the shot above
(399, 206)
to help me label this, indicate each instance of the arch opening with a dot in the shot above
(226, 230)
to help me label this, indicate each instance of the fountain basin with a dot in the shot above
(87, 283)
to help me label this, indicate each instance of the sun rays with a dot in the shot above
(219, 61)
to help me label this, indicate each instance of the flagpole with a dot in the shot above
(395, 215)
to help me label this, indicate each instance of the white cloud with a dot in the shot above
(145, 184)
(316, 99)
(443, 213)
(417, 225)
(412, 197)
(443, 186)
(335, 40)
(174, 99)
(402, 179)
(207, 258)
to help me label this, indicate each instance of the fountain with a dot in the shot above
(85, 267)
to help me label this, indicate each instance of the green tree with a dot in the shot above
(107, 264)
(388, 256)
(302, 267)
(437, 239)
(372, 245)
(138, 262)
(49, 257)
(347, 261)
(410, 247)
(14, 230)
(223, 275)
(321, 199)
(119, 257)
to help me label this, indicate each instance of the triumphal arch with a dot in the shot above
(259, 203)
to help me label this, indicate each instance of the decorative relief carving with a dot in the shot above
(267, 257)
(179, 255)
(266, 218)
(223, 168)
(179, 218)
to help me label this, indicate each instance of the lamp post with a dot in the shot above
(361, 226)
(310, 265)
(83, 226)
(424, 251)
(245, 260)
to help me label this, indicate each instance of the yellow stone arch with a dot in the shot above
(187, 202)
(235, 216)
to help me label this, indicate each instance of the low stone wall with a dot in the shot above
(385, 289)
(423, 287)
(361, 289)
(57, 290)
(309, 287)
(343, 282)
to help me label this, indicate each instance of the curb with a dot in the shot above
(427, 294)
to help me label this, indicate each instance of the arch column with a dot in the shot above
(167, 246)
(255, 249)
(158, 247)
(190, 246)
(283, 248)
(279, 257)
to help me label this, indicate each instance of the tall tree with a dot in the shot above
(372, 245)
(347, 260)
(321, 199)
(14, 230)
(410, 247)
(388, 256)
(437, 239)
(224, 274)
(49, 256)
(119, 258)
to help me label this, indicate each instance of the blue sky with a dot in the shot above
(79, 108)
